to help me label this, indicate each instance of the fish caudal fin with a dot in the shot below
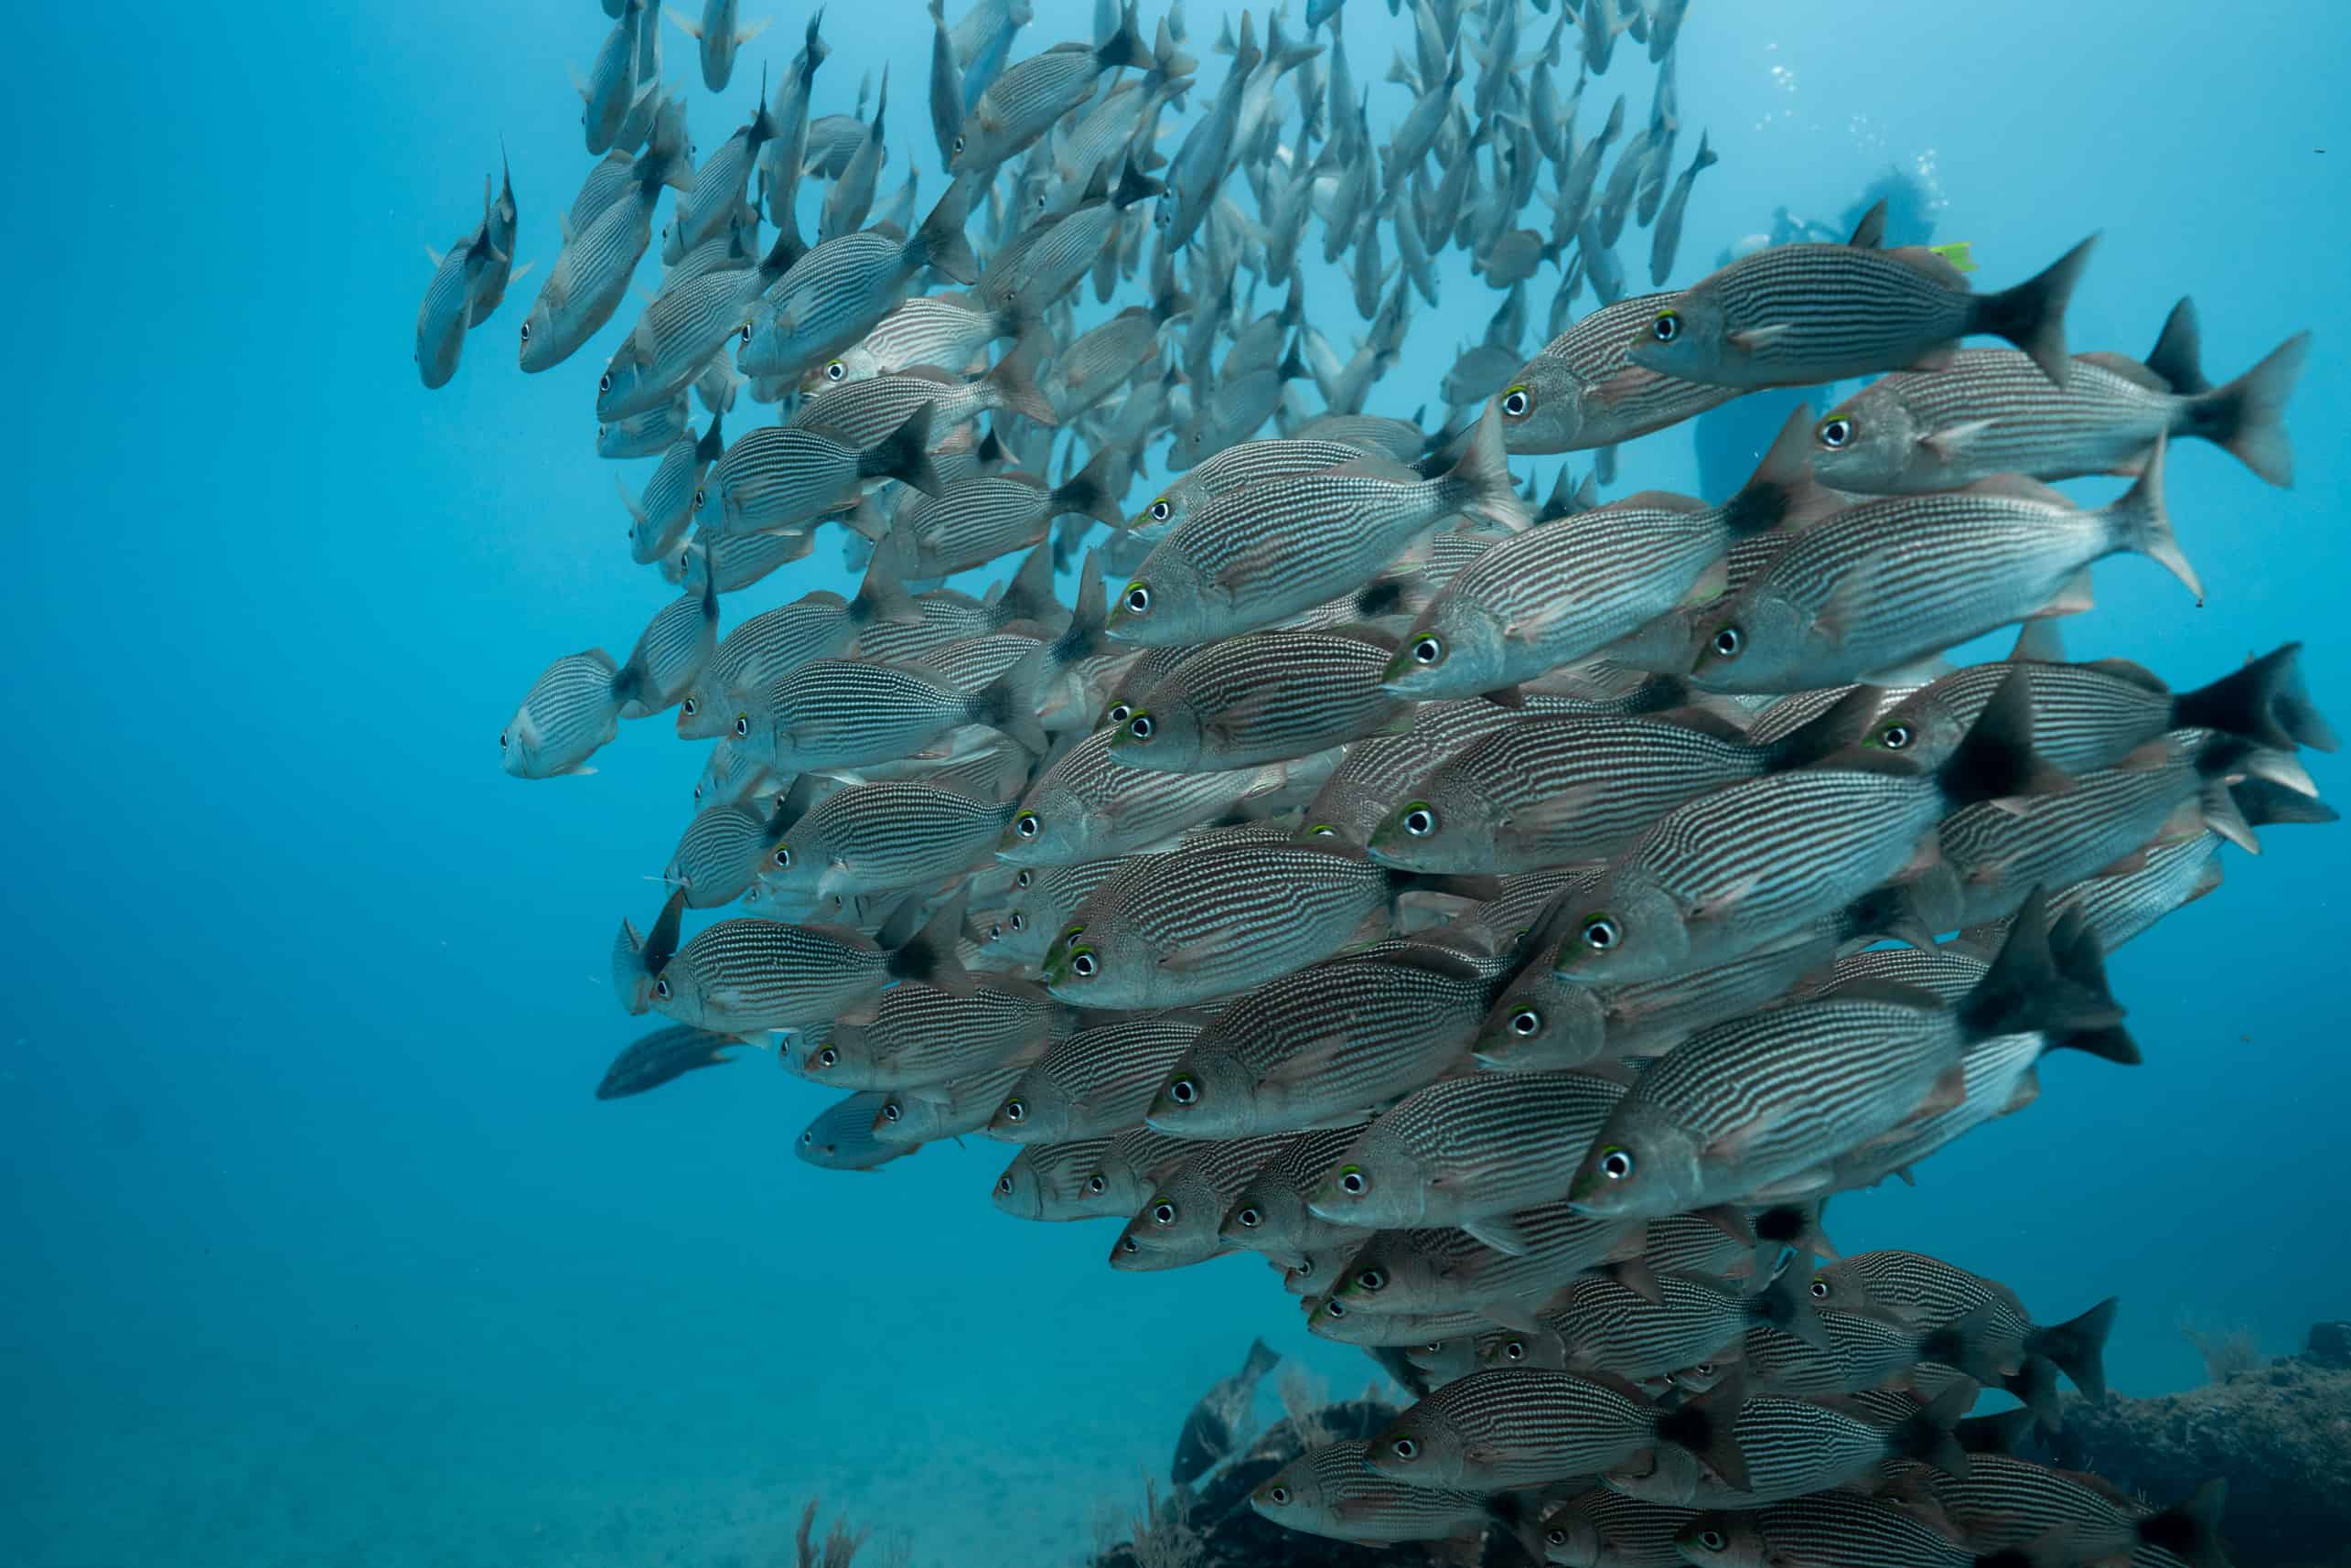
(2264, 702)
(1928, 1437)
(1479, 486)
(2139, 522)
(1995, 759)
(2032, 313)
(939, 243)
(1008, 705)
(2192, 1529)
(928, 955)
(2024, 991)
(1096, 488)
(905, 454)
(2080, 959)
(2247, 417)
(2079, 1348)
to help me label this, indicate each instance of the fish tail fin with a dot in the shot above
(2026, 992)
(2081, 960)
(1125, 46)
(2248, 417)
(905, 454)
(928, 955)
(1096, 488)
(1013, 383)
(1707, 1428)
(2139, 521)
(2191, 1529)
(2032, 313)
(1516, 1514)
(1970, 1342)
(1841, 724)
(881, 596)
(1999, 1433)
(2178, 353)
(1787, 1304)
(1911, 909)
(939, 241)
(1995, 759)
(1707, 157)
(1086, 634)
(1479, 486)
(2079, 1348)
(2262, 802)
(1029, 596)
(1928, 1436)
(629, 982)
(1260, 1360)
(2034, 1385)
(2264, 702)
(712, 445)
(1782, 490)
(1008, 704)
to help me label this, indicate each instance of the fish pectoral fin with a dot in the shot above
(1512, 1312)
(2124, 865)
(1948, 443)
(1847, 603)
(1544, 817)
(1732, 1145)
(1301, 1066)
(1748, 339)
(518, 273)
(1948, 1093)
(1709, 585)
(1191, 955)
(684, 23)
(1500, 1232)
(433, 256)
(1940, 357)
(1725, 900)
(1262, 555)
(2073, 598)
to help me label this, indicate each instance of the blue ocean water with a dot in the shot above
(318, 1250)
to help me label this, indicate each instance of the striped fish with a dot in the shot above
(718, 38)
(1135, 1160)
(636, 959)
(945, 331)
(946, 1109)
(659, 1058)
(716, 198)
(880, 838)
(1846, 1528)
(1466, 1151)
(1328, 1490)
(1546, 1023)
(973, 522)
(606, 183)
(1343, 1036)
(609, 88)
(742, 976)
(1266, 696)
(1991, 411)
(1334, 1320)
(842, 1137)
(1607, 1326)
(1582, 392)
(1184, 928)
(860, 412)
(1022, 104)
(921, 1034)
(947, 615)
(1665, 239)
(1269, 1215)
(1249, 557)
(1047, 1181)
(1176, 1225)
(659, 517)
(818, 625)
(1887, 582)
(573, 708)
(719, 852)
(735, 252)
(1039, 906)
(1791, 1449)
(1743, 1106)
(1094, 1083)
(1796, 316)
(446, 313)
(1600, 1529)
(781, 477)
(678, 333)
(591, 276)
(1437, 1270)
(644, 434)
(1523, 1426)
(843, 288)
(1753, 863)
(1088, 807)
(1913, 1288)
(1565, 590)
(670, 653)
(735, 560)
(1547, 791)
(1863, 1351)
(840, 713)
(1045, 267)
(1378, 768)
(2003, 1503)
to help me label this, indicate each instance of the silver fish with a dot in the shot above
(1022, 104)
(843, 288)
(743, 975)
(571, 709)
(719, 38)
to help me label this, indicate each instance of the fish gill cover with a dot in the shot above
(1479, 910)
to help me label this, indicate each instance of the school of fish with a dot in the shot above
(1511, 920)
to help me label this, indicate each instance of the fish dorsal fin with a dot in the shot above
(2138, 675)
(1892, 993)
(1658, 500)
(1927, 263)
(1373, 467)
(2038, 642)
(1870, 233)
(2017, 487)
(2129, 368)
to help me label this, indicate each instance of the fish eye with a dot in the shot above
(1277, 1493)
(1116, 712)
(1322, 831)
(996, 933)
(1554, 1537)
(1667, 327)
(1352, 1181)
(604, 382)
(1140, 726)
(1819, 1288)
(784, 856)
(1126, 1244)
(1514, 1351)
(526, 332)
(1083, 964)
(1516, 403)
(701, 497)
(501, 740)
(808, 1138)
(1334, 1309)
(1184, 1091)
(1015, 1110)
(1728, 641)
(890, 1112)
(1834, 433)
(1527, 1022)
(1405, 1449)
(1704, 1369)
(1160, 511)
(1711, 1539)
(1017, 922)
(662, 988)
(1138, 598)
(690, 707)
(959, 145)
(1005, 1184)
(1428, 649)
(828, 1057)
(835, 370)
(743, 725)
(1025, 824)
(1021, 879)
(747, 332)
(1420, 820)
(1249, 1217)
(1616, 1162)
(1601, 933)
(1895, 736)
(1096, 1184)
(1162, 1213)
(1372, 1280)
